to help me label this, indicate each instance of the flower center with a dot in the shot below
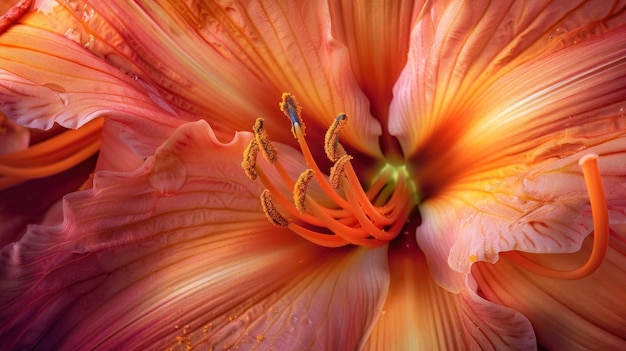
(340, 212)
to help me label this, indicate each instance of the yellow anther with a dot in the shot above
(292, 109)
(272, 213)
(299, 190)
(249, 159)
(270, 153)
(333, 149)
(337, 170)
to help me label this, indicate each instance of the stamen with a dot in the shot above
(299, 190)
(326, 240)
(331, 140)
(353, 216)
(338, 170)
(292, 109)
(270, 153)
(272, 213)
(600, 214)
(249, 159)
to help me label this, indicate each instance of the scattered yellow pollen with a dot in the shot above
(260, 337)
(270, 210)
(473, 258)
(270, 153)
(299, 190)
(249, 159)
(337, 171)
(331, 140)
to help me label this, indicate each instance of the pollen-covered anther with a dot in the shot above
(299, 189)
(338, 170)
(272, 213)
(249, 159)
(290, 107)
(270, 153)
(333, 149)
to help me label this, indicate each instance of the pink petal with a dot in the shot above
(421, 315)
(418, 314)
(376, 34)
(543, 210)
(230, 63)
(435, 236)
(511, 175)
(458, 49)
(489, 326)
(29, 202)
(578, 314)
(46, 78)
(178, 252)
(13, 137)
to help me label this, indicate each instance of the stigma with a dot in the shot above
(342, 213)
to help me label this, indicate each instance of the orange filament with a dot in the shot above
(51, 156)
(599, 211)
(354, 216)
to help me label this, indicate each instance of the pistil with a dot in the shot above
(599, 212)
(355, 216)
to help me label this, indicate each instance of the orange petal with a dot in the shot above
(28, 202)
(178, 252)
(458, 50)
(230, 64)
(576, 314)
(377, 36)
(13, 137)
(47, 78)
(543, 209)
(510, 175)
(420, 315)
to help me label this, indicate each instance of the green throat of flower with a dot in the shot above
(341, 212)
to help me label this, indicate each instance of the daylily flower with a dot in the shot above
(436, 199)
